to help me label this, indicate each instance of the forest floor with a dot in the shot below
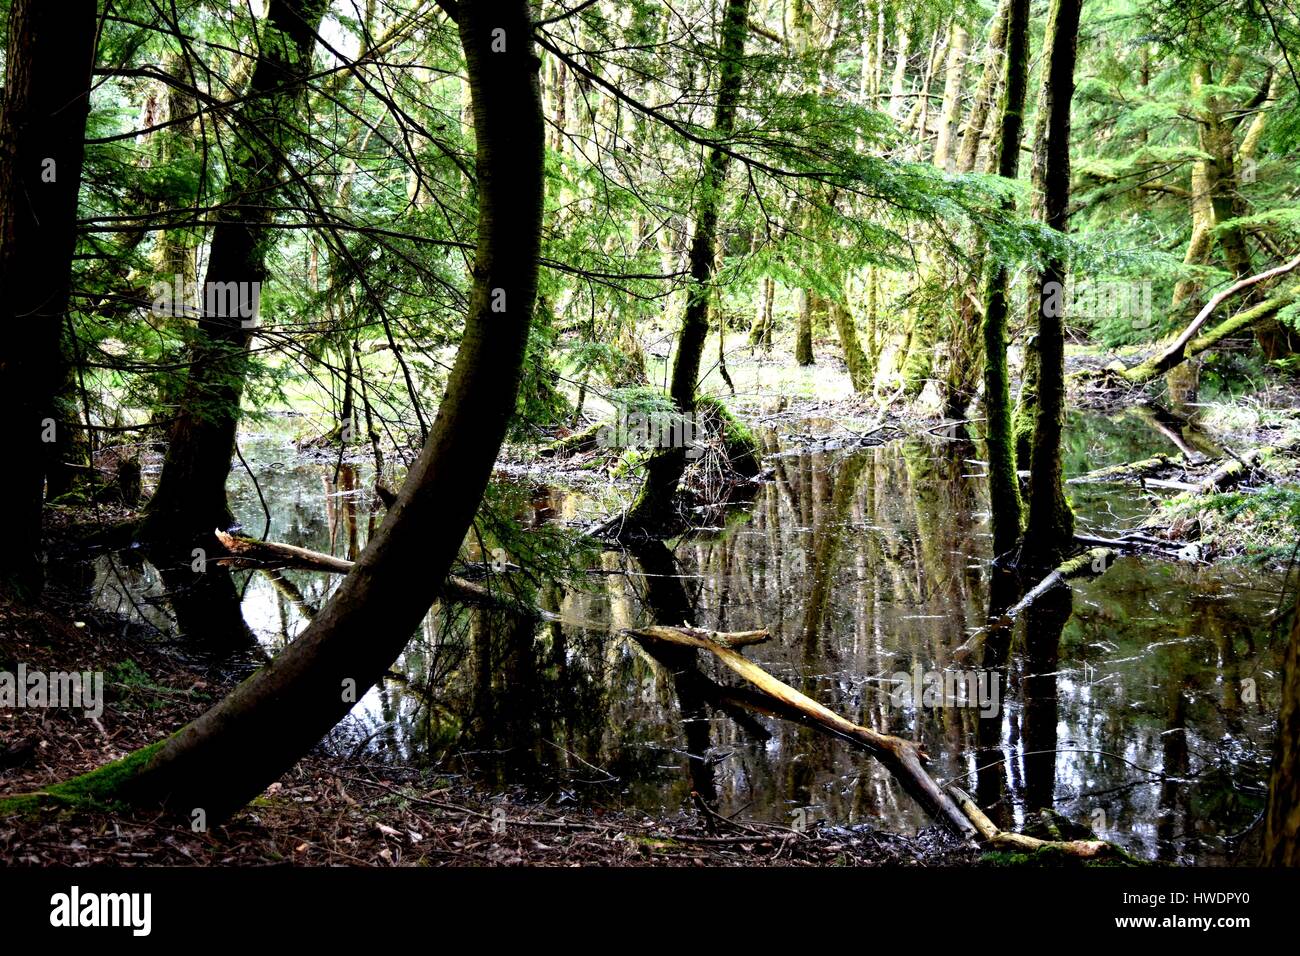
(332, 809)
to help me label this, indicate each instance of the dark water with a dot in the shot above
(1139, 704)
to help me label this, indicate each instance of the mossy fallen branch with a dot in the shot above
(584, 440)
(1128, 471)
(1091, 562)
(1007, 840)
(1188, 344)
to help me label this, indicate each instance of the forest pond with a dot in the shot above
(865, 563)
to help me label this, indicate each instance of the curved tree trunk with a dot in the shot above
(229, 754)
(51, 51)
(1049, 533)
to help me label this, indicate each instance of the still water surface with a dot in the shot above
(1139, 704)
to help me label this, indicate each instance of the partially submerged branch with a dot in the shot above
(1007, 840)
(1091, 562)
(267, 555)
(1127, 471)
(903, 757)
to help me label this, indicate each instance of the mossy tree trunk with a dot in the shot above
(960, 382)
(860, 370)
(986, 92)
(229, 754)
(1004, 488)
(190, 500)
(919, 363)
(1049, 532)
(48, 62)
(954, 75)
(1027, 400)
(803, 337)
(654, 508)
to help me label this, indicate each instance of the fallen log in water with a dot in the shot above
(1007, 840)
(1092, 561)
(1128, 471)
(903, 757)
(951, 806)
(250, 552)
(266, 555)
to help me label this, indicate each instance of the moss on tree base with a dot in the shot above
(102, 788)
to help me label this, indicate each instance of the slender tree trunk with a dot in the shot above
(954, 76)
(961, 379)
(918, 121)
(897, 100)
(1049, 532)
(918, 367)
(50, 54)
(228, 755)
(986, 93)
(846, 328)
(801, 17)
(760, 333)
(1004, 488)
(803, 337)
(190, 500)
(174, 250)
(654, 507)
